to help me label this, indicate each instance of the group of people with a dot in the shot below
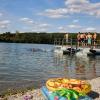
(86, 39)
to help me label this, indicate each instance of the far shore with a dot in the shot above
(35, 94)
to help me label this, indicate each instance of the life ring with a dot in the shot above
(80, 86)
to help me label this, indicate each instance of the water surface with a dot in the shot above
(23, 65)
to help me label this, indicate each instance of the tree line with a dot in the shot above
(33, 37)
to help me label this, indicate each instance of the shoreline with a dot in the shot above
(35, 94)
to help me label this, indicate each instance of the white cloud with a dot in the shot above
(74, 26)
(27, 20)
(72, 7)
(24, 19)
(4, 24)
(56, 16)
(75, 20)
(55, 13)
(68, 27)
(35, 25)
(83, 6)
(43, 25)
(39, 30)
(1, 14)
(67, 2)
(62, 29)
(90, 29)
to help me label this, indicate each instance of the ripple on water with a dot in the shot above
(22, 67)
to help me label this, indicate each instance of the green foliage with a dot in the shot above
(32, 37)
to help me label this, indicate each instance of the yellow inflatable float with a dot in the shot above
(80, 86)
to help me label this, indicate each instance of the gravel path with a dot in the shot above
(36, 94)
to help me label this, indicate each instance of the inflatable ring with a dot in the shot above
(80, 86)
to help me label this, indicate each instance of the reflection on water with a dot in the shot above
(81, 68)
(86, 68)
(21, 66)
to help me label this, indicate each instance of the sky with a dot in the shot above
(50, 15)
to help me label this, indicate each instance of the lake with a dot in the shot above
(23, 65)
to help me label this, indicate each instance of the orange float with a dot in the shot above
(80, 86)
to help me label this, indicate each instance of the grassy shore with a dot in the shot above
(35, 94)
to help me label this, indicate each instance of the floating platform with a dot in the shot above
(65, 49)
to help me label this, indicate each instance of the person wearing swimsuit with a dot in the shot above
(66, 37)
(86, 39)
(82, 39)
(84, 36)
(94, 39)
(78, 39)
(89, 39)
